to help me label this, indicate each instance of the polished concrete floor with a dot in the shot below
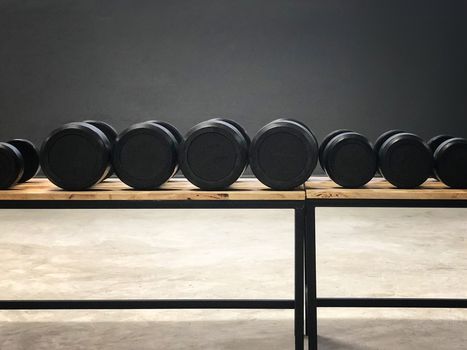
(47, 254)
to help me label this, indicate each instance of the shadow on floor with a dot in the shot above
(348, 334)
(205, 335)
(391, 334)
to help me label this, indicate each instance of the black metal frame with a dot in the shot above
(297, 303)
(313, 301)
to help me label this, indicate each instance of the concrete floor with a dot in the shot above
(229, 254)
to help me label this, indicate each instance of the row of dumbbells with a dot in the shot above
(215, 153)
(403, 159)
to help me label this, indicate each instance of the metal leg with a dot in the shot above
(306, 281)
(299, 298)
(306, 300)
(310, 258)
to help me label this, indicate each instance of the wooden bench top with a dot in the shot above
(378, 188)
(175, 189)
(243, 189)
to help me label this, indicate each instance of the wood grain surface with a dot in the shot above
(243, 189)
(378, 188)
(175, 189)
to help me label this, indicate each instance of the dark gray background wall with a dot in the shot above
(365, 65)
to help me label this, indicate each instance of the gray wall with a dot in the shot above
(365, 65)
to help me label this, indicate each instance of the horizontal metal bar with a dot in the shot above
(166, 204)
(393, 303)
(388, 203)
(147, 304)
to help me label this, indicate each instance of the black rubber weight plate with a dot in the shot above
(30, 157)
(238, 126)
(436, 141)
(383, 137)
(406, 161)
(283, 157)
(11, 166)
(76, 156)
(109, 132)
(301, 124)
(325, 142)
(451, 163)
(107, 129)
(175, 132)
(350, 160)
(294, 121)
(145, 156)
(212, 156)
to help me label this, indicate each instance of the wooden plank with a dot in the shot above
(378, 188)
(175, 189)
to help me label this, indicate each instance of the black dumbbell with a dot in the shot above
(236, 125)
(382, 139)
(109, 131)
(325, 141)
(283, 154)
(434, 143)
(19, 162)
(145, 155)
(451, 162)
(348, 158)
(405, 160)
(214, 153)
(76, 156)
(30, 156)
